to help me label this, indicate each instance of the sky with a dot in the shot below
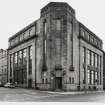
(16, 14)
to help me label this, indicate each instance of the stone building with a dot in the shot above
(56, 52)
(3, 66)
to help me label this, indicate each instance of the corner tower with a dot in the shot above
(57, 20)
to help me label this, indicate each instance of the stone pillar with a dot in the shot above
(8, 68)
(33, 65)
(27, 64)
(12, 67)
(86, 73)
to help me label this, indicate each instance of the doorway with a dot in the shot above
(58, 82)
(30, 83)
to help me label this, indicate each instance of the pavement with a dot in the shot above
(74, 92)
(32, 95)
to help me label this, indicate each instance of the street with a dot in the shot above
(31, 95)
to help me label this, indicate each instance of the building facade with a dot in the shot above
(3, 66)
(103, 70)
(56, 52)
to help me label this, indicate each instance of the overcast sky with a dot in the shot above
(16, 14)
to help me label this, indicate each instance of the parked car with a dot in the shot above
(9, 85)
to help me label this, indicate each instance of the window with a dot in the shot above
(58, 50)
(26, 35)
(15, 59)
(88, 57)
(20, 58)
(16, 40)
(45, 47)
(37, 27)
(44, 38)
(21, 37)
(46, 81)
(11, 63)
(72, 80)
(71, 39)
(83, 76)
(96, 61)
(32, 31)
(83, 33)
(96, 77)
(100, 70)
(58, 24)
(30, 60)
(91, 39)
(88, 75)
(88, 37)
(44, 27)
(92, 58)
(43, 81)
(83, 55)
(92, 77)
(24, 57)
(71, 30)
(84, 60)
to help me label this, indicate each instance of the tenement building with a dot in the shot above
(3, 66)
(56, 52)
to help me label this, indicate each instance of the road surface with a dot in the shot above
(31, 95)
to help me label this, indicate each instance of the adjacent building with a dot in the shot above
(56, 52)
(3, 66)
(103, 70)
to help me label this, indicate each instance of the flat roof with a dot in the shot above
(89, 31)
(23, 30)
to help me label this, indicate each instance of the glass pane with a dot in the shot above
(58, 24)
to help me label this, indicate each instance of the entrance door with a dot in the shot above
(30, 83)
(58, 82)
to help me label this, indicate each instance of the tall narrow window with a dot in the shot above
(84, 63)
(45, 27)
(44, 35)
(44, 45)
(83, 33)
(88, 36)
(21, 37)
(71, 35)
(30, 60)
(96, 64)
(32, 31)
(15, 60)
(88, 57)
(96, 77)
(58, 24)
(24, 57)
(92, 58)
(70, 80)
(20, 58)
(92, 77)
(84, 50)
(24, 65)
(88, 75)
(100, 70)
(11, 63)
